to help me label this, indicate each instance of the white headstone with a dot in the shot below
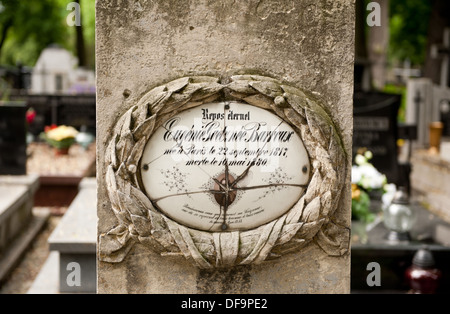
(56, 72)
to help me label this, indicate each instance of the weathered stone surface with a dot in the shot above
(429, 181)
(16, 203)
(143, 44)
(18, 223)
(76, 233)
(75, 240)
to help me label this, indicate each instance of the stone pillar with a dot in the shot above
(378, 46)
(154, 57)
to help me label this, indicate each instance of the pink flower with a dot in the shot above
(30, 115)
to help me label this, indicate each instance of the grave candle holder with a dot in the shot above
(399, 218)
(422, 276)
(435, 137)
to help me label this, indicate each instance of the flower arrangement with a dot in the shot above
(366, 179)
(60, 137)
(361, 204)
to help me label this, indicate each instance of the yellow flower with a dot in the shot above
(62, 132)
(356, 193)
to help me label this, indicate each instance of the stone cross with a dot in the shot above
(406, 72)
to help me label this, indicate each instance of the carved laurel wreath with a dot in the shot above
(310, 219)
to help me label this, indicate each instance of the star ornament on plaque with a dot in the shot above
(224, 174)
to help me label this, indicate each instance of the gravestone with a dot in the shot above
(375, 128)
(56, 72)
(13, 144)
(74, 239)
(19, 223)
(224, 135)
(427, 102)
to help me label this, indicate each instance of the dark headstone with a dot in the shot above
(445, 118)
(13, 144)
(376, 129)
(73, 110)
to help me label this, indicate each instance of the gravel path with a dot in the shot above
(42, 160)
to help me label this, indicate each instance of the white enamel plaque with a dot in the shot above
(224, 166)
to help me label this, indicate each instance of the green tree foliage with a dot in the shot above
(88, 24)
(29, 26)
(409, 21)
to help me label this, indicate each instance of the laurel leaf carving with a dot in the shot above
(308, 219)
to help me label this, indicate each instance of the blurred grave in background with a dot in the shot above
(19, 221)
(73, 110)
(13, 144)
(58, 90)
(56, 72)
(375, 128)
(428, 106)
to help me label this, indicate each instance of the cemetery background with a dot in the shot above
(388, 62)
(43, 84)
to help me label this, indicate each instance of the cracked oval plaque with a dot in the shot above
(224, 166)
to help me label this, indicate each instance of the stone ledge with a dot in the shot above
(18, 224)
(29, 180)
(436, 160)
(77, 230)
(14, 191)
(11, 256)
(73, 240)
(47, 280)
(429, 181)
(12, 198)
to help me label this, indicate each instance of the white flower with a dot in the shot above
(356, 175)
(368, 177)
(368, 154)
(389, 194)
(390, 188)
(365, 182)
(360, 160)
